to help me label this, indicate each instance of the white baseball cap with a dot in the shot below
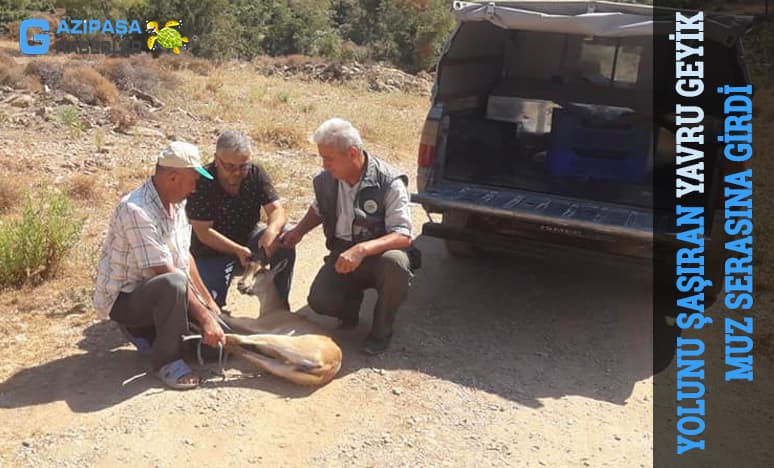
(181, 155)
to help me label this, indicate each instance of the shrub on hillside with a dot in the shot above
(34, 245)
(171, 62)
(126, 75)
(89, 86)
(279, 136)
(123, 117)
(13, 75)
(49, 73)
(10, 73)
(82, 187)
(6, 60)
(407, 33)
(11, 194)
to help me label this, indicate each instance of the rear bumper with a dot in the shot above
(546, 213)
(540, 244)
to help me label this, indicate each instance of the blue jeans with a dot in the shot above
(217, 271)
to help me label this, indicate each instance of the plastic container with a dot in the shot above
(597, 148)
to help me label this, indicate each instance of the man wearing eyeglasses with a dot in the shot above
(225, 214)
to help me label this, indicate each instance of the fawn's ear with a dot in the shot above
(278, 268)
(251, 269)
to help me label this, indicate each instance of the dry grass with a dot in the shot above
(214, 85)
(280, 114)
(48, 72)
(6, 60)
(13, 27)
(291, 176)
(293, 60)
(170, 62)
(269, 135)
(298, 59)
(140, 72)
(126, 76)
(83, 187)
(123, 116)
(11, 194)
(244, 100)
(129, 178)
(13, 74)
(89, 86)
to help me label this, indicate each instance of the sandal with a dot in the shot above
(142, 344)
(172, 372)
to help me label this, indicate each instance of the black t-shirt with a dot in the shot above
(233, 216)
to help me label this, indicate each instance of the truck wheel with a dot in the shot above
(454, 247)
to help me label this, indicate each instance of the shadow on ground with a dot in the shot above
(111, 371)
(524, 329)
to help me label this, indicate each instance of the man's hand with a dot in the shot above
(214, 308)
(350, 259)
(243, 254)
(268, 242)
(290, 239)
(212, 333)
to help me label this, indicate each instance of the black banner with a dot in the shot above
(713, 398)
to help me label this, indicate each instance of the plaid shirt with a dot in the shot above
(141, 235)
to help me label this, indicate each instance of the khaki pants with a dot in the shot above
(340, 295)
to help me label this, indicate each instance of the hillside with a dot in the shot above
(497, 362)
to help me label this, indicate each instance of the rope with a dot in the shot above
(221, 359)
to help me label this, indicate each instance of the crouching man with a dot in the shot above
(146, 280)
(363, 205)
(225, 213)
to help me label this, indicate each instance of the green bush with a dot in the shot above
(14, 10)
(406, 33)
(70, 116)
(33, 246)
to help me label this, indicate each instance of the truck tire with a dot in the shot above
(457, 248)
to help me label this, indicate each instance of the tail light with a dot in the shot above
(426, 154)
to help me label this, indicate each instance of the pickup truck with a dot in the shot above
(543, 135)
(542, 132)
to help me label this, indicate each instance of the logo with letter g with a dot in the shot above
(26, 46)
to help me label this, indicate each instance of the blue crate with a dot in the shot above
(579, 147)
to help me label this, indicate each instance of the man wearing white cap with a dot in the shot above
(147, 280)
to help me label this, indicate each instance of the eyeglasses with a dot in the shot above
(228, 167)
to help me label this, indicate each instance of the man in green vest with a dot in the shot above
(363, 204)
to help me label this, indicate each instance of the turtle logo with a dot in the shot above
(167, 37)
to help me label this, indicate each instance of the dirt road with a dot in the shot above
(494, 363)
